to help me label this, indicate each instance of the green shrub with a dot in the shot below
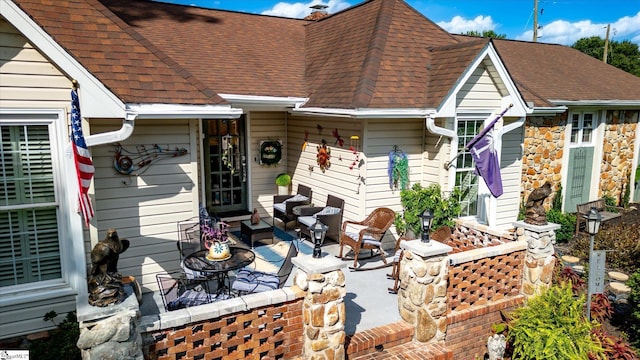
(62, 342)
(634, 303)
(557, 200)
(567, 224)
(553, 326)
(417, 199)
(609, 200)
(626, 192)
(283, 179)
(620, 237)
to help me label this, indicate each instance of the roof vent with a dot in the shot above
(318, 12)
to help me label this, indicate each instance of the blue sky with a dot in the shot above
(562, 21)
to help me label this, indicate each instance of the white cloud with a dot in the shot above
(567, 33)
(299, 10)
(460, 25)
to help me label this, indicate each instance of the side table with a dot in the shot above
(262, 230)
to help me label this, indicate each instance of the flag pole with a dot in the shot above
(448, 164)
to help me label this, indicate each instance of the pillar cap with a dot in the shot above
(433, 248)
(311, 265)
(537, 228)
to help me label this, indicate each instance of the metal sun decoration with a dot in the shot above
(317, 231)
(426, 219)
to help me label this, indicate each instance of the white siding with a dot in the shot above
(28, 80)
(436, 155)
(480, 92)
(145, 208)
(508, 204)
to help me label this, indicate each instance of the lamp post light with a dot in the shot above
(318, 231)
(593, 225)
(426, 219)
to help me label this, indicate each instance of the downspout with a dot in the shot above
(114, 136)
(434, 129)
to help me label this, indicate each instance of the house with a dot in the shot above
(213, 87)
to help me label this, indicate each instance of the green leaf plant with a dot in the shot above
(417, 199)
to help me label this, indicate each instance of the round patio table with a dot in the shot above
(219, 269)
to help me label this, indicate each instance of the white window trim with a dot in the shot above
(72, 257)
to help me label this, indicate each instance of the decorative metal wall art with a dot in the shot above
(135, 163)
(398, 169)
(270, 152)
(323, 158)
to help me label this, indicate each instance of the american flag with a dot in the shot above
(82, 157)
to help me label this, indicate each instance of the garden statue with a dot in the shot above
(105, 283)
(535, 213)
(496, 345)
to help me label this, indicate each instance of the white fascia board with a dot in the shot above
(96, 101)
(608, 103)
(519, 108)
(176, 111)
(365, 113)
(264, 101)
(540, 110)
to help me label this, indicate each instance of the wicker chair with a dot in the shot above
(370, 233)
(283, 204)
(442, 235)
(309, 215)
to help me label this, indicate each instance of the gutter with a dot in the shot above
(434, 129)
(114, 136)
(363, 113)
(616, 103)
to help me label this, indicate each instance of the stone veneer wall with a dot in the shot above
(543, 151)
(618, 152)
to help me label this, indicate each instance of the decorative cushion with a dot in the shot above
(189, 298)
(297, 197)
(329, 210)
(367, 239)
(280, 207)
(255, 281)
(307, 220)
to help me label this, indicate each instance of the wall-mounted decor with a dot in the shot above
(270, 152)
(323, 157)
(398, 170)
(137, 162)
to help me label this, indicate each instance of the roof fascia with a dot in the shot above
(255, 102)
(96, 100)
(519, 108)
(176, 111)
(609, 103)
(541, 110)
(365, 113)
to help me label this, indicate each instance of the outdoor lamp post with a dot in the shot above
(593, 225)
(318, 231)
(426, 219)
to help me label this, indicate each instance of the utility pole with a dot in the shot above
(606, 45)
(535, 20)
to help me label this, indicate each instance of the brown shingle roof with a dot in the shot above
(556, 72)
(123, 61)
(373, 55)
(231, 52)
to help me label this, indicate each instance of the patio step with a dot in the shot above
(378, 339)
(410, 350)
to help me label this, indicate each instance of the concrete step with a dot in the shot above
(409, 350)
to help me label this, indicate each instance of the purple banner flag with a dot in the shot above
(485, 155)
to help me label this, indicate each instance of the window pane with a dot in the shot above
(29, 240)
(466, 179)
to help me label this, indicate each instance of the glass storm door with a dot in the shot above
(581, 151)
(226, 168)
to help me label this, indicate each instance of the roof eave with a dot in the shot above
(256, 102)
(614, 103)
(177, 111)
(366, 113)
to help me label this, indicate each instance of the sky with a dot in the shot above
(562, 22)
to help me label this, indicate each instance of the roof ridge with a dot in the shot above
(460, 45)
(371, 65)
(159, 54)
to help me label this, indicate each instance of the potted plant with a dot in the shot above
(283, 181)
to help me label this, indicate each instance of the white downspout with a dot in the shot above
(434, 129)
(114, 136)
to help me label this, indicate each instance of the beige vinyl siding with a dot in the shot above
(338, 180)
(265, 126)
(28, 81)
(437, 153)
(145, 208)
(508, 205)
(479, 92)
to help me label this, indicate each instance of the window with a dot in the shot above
(582, 126)
(466, 179)
(29, 210)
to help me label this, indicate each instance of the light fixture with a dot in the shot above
(426, 219)
(593, 221)
(318, 231)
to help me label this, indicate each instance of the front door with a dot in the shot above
(226, 168)
(581, 151)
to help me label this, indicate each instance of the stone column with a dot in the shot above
(539, 260)
(323, 306)
(111, 332)
(422, 297)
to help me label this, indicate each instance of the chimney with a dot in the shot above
(318, 12)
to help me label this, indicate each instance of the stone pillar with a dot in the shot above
(323, 306)
(111, 332)
(422, 297)
(539, 260)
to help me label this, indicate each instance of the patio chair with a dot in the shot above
(442, 235)
(283, 204)
(366, 234)
(252, 281)
(330, 215)
(179, 293)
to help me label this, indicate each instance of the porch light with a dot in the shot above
(593, 221)
(318, 231)
(426, 218)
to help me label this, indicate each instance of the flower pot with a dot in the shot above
(283, 190)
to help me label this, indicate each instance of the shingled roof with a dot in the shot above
(125, 62)
(378, 54)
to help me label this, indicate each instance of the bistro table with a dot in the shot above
(240, 257)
